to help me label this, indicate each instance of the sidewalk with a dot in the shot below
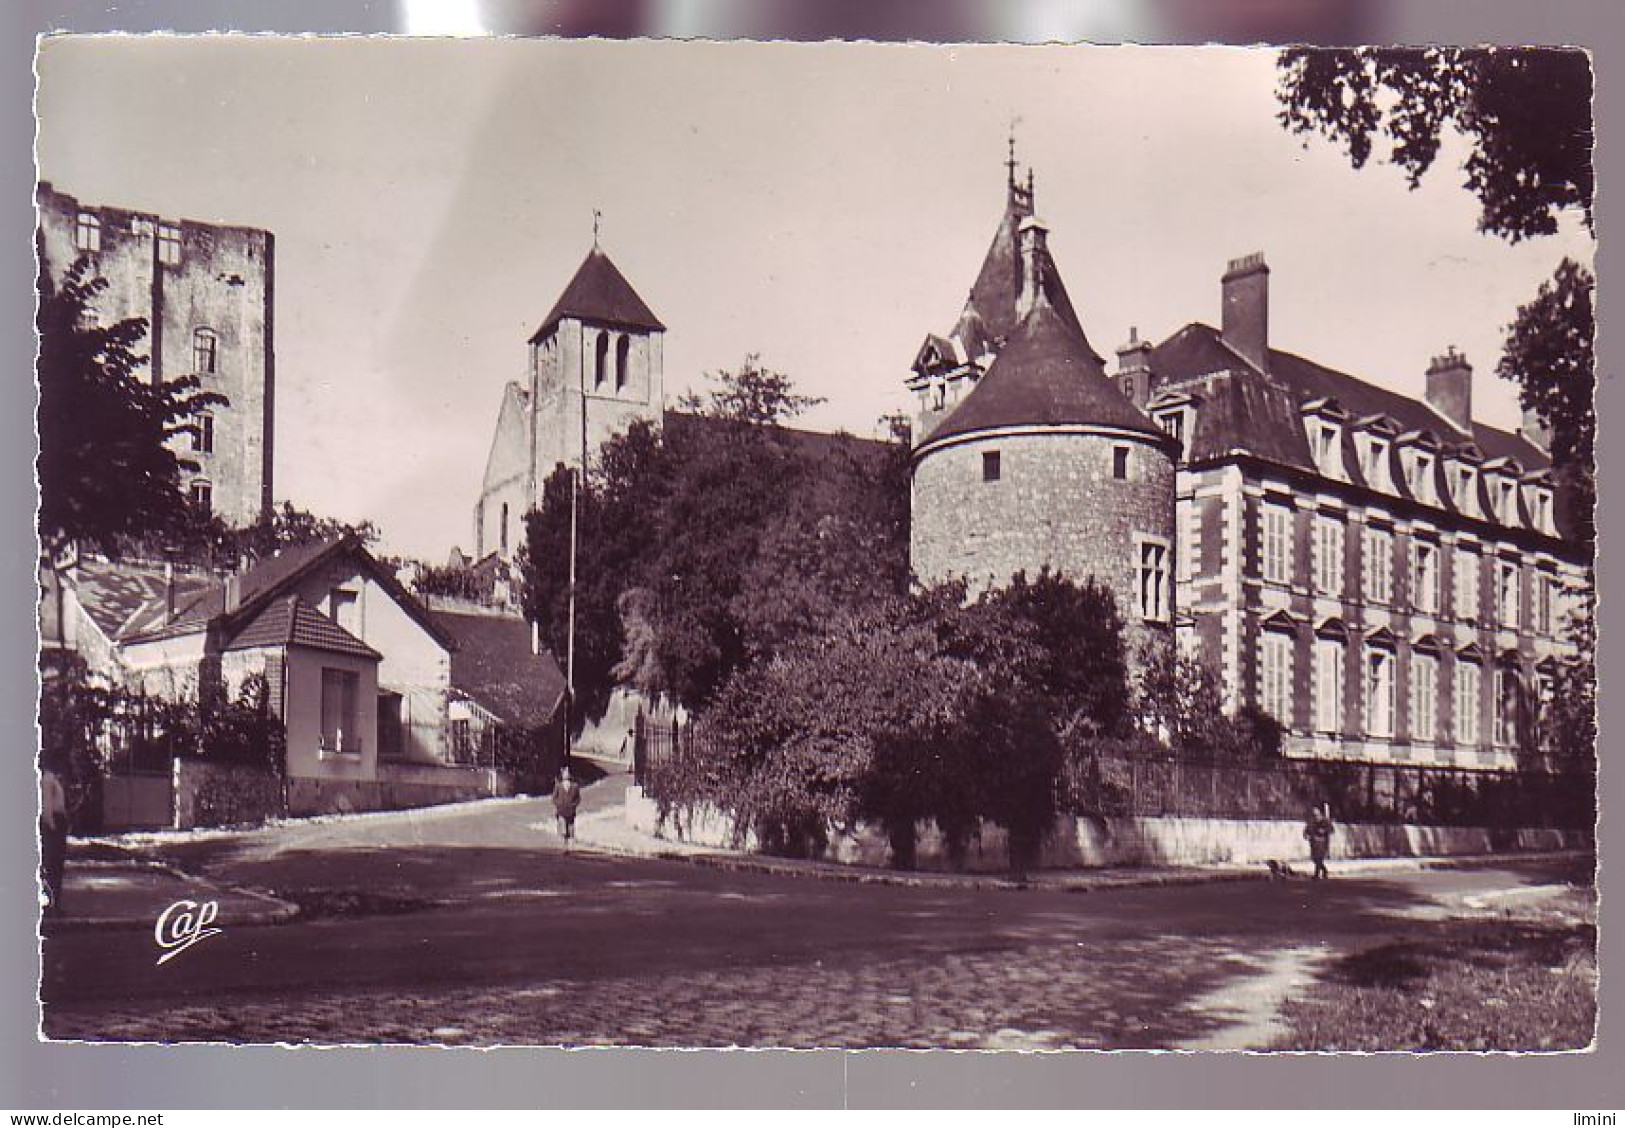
(606, 832)
(132, 894)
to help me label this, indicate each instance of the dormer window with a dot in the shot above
(1174, 423)
(1374, 466)
(1507, 502)
(1540, 504)
(1465, 485)
(1421, 478)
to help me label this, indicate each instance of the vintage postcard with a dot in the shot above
(695, 544)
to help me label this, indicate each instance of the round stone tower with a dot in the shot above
(1045, 462)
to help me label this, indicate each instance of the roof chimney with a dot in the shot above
(1246, 312)
(234, 592)
(1534, 429)
(1134, 367)
(1450, 388)
(1031, 238)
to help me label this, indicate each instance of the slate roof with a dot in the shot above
(125, 598)
(493, 664)
(294, 622)
(1047, 375)
(991, 307)
(1244, 412)
(599, 292)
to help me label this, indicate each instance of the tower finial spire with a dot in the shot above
(597, 218)
(1010, 162)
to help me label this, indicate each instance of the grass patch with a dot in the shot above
(1457, 985)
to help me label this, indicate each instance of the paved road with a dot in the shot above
(474, 926)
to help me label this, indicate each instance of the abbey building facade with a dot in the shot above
(1385, 575)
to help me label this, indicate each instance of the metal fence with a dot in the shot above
(1356, 791)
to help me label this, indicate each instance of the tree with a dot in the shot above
(108, 468)
(1551, 355)
(1525, 113)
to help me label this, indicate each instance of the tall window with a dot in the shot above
(205, 351)
(1379, 565)
(502, 531)
(1466, 566)
(1174, 423)
(87, 232)
(203, 437)
(623, 357)
(1508, 503)
(1469, 691)
(1508, 701)
(169, 244)
(1277, 544)
(1543, 603)
(1328, 685)
(1379, 692)
(341, 719)
(1543, 511)
(1424, 697)
(203, 496)
(1425, 576)
(600, 371)
(1506, 593)
(1275, 677)
(1328, 555)
(1153, 586)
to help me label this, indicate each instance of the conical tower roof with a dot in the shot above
(600, 292)
(1046, 375)
(993, 297)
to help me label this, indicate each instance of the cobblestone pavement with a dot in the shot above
(1039, 997)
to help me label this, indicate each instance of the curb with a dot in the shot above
(1082, 883)
(277, 911)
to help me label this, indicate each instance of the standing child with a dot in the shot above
(566, 798)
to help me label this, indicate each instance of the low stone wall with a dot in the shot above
(1085, 843)
(398, 787)
(214, 794)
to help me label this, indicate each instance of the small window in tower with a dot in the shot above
(990, 466)
(87, 232)
(203, 496)
(623, 357)
(1128, 386)
(502, 532)
(205, 351)
(600, 371)
(169, 244)
(203, 438)
(1120, 463)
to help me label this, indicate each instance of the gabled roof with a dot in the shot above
(493, 663)
(125, 598)
(269, 578)
(293, 622)
(599, 292)
(1045, 375)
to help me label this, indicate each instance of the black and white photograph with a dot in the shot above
(664, 543)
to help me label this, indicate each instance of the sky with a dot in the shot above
(823, 206)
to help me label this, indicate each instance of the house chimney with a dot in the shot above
(1246, 314)
(1031, 239)
(1450, 388)
(1134, 368)
(234, 592)
(1534, 429)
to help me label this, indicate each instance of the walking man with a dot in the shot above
(1318, 830)
(566, 798)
